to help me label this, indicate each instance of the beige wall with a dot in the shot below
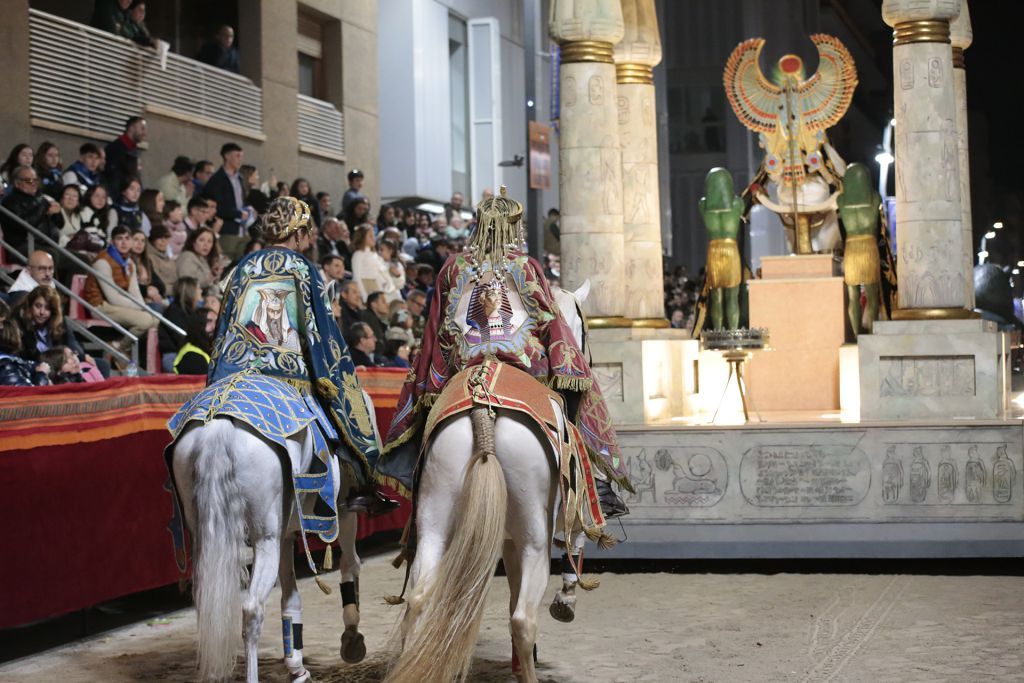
(350, 55)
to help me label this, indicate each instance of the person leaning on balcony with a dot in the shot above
(221, 51)
(124, 303)
(134, 29)
(225, 188)
(177, 185)
(30, 205)
(83, 172)
(110, 15)
(123, 155)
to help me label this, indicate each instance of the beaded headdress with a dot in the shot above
(499, 228)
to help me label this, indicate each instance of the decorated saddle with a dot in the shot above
(276, 411)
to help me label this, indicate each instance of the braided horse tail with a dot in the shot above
(451, 604)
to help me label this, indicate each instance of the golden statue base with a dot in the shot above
(933, 314)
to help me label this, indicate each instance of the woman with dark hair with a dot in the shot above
(280, 190)
(152, 204)
(200, 257)
(301, 189)
(254, 196)
(152, 287)
(158, 251)
(185, 300)
(357, 213)
(69, 220)
(408, 223)
(193, 358)
(385, 217)
(129, 213)
(98, 219)
(15, 371)
(21, 155)
(47, 165)
(42, 323)
(64, 366)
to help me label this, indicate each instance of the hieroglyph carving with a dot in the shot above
(924, 376)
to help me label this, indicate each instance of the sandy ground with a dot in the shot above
(640, 627)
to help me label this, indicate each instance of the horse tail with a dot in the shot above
(219, 534)
(451, 603)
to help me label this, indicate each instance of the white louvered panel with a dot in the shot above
(321, 126)
(92, 80)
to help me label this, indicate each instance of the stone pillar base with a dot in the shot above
(941, 369)
(646, 375)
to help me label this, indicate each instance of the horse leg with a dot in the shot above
(563, 607)
(353, 647)
(265, 568)
(513, 572)
(291, 611)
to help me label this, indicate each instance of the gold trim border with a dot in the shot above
(613, 322)
(923, 31)
(587, 51)
(933, 314)
(651, 323)
(628, 73)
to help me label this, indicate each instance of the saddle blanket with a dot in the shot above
(276, 411)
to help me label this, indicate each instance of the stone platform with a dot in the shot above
(821, 488)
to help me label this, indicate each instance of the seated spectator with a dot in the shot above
(385, 218)
(280, 190)
(333, 267)
(184, 302)
(453, 206)
(85, 171)
(198, 211)
(48, 170)
(412, 270)
(400, 327)
(435, 255)
(15, 371)
(30, 205)
(457, 231)
(418, 240)
(211, 299)
(176, 185)
(110, 15)
(396, 351)
(425, 278)
(123, 302)
(65, 368)
(200, 258)
(69, 220)
(98, 220)
(152, 204)
(301, 189)
(388, 250)
(21, 155)
(552, 234)
(254, 196)
(152, 287)
(677, 319)
(201, 175)
(221, 51)
(408, 224)
(193, 358)
(362, 343)
(323, 208)
(174, 221)
(122, 155)
(417, 305)
(350, 303)
(158, 253)
(376, 316)
(129, 213)
(38, 272)
(369, 269)
(42, 324)
(134, 29)
(357, 214)
(334, 241)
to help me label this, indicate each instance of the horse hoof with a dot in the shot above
(304, 677)
(562, 612)
(353, 647)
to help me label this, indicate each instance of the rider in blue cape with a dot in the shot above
(276, 321)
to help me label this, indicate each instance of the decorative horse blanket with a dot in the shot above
(276, 411)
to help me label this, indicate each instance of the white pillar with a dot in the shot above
(961, 35)
(930, 240)
(635, 55)
(590, 156)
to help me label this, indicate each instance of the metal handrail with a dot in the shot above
(75, 324)
(65, 253)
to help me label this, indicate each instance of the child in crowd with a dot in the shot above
(15, 371)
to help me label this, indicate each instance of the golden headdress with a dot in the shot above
(499, 228)
(285, 216)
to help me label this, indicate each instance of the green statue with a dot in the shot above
(858, 207)
(721, 210)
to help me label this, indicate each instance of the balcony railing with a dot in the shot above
(88, 82)
(321, 129)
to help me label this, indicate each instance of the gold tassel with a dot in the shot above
(588, 584)
(394, 599)
(323, 586)
(579, 384)
(328, 559)
(603, 540)
(326, 388)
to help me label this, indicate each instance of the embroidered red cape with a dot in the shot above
(543, 346)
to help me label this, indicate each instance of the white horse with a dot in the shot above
(467, 515)
(233, 488)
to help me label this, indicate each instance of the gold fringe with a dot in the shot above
(394, 484)
(599, 462)
(861, 265)
(394, 600)
(587, 584)
(328, 564)
(323, 586)
(300, 385)
(723, 267)
(579, 384)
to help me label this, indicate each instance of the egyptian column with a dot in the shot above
(961, 35)
(590, 181)
(932, 270)
(635, 55)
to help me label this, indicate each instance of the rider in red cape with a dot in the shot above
(519, 325)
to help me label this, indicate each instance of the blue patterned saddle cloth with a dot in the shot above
(276, 410)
